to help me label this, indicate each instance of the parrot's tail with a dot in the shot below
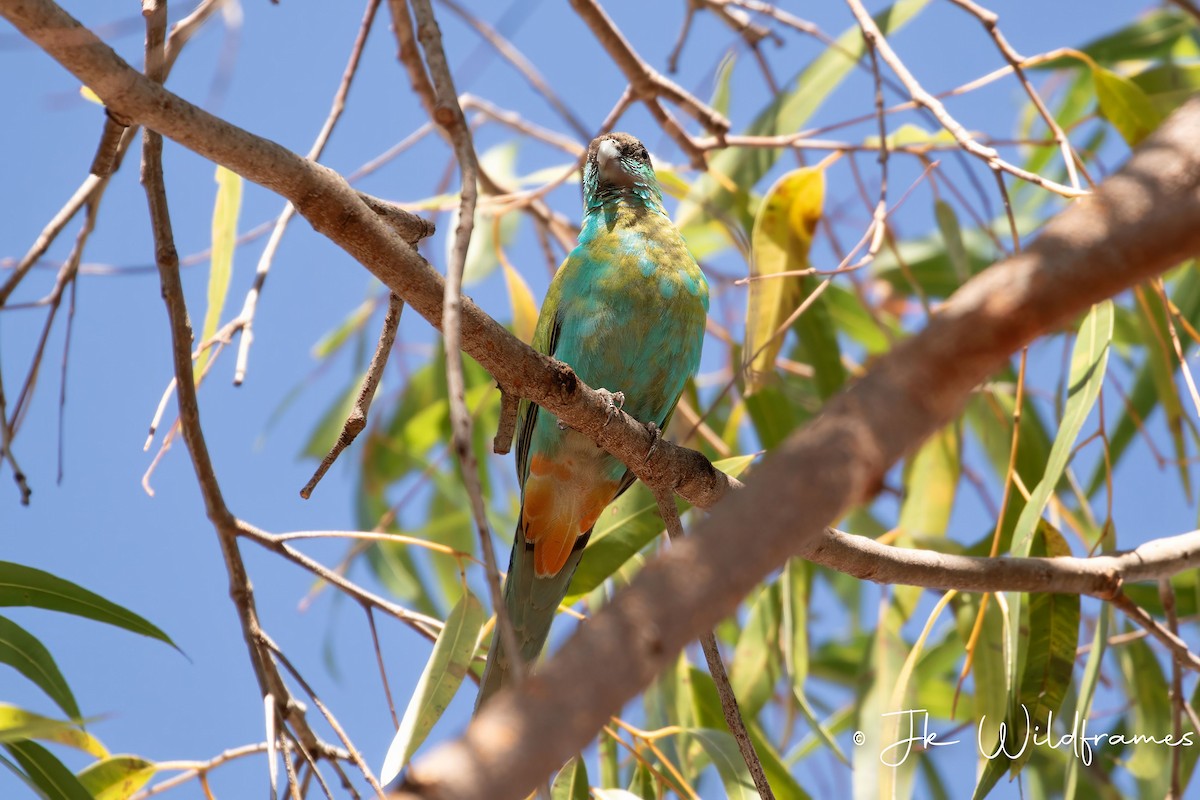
(531, 603)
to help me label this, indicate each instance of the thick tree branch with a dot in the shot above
(1141, 221)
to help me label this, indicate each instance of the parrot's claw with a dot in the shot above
(657, 434)
(562, 426)
(615, 401)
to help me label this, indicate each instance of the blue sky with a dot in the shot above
(158, 555)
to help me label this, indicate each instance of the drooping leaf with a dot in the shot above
(642, 783)
(333, 340)
(1154, 383)
(444, 672)
(25, 586)
(1168, 85)
(23, 652)
(224, 241)
(524, 309)
(795, 587)
(571, 783)
(1125, 105)
(45, 771)
(329, 427)
(1087, 693)
(1150, 762)
(720, 97)
(1050, 646)
(783, 233)
(117, 777)
(706, 714)
(1151, 37)
(988, 666)
(872, 778)
(951, 231)
(1088, 362)
(755, 666)
(17, 724)
(930, 485)
(723, 751)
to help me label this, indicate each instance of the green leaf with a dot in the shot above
(795, 585)
(755, 666)
(1088, 362)
(1087, 693)
(117, 777)
(329, 427)
(1051, 643)
(642, 783)
(723, 751)
(720, 98)
(773, 414)
(1150, 762)
(1155, 382)
(46, 772)
(1151, 37)
(930, 485)
(629, 524)
(988, 671)
(224, 242)
(951, 232)
(1169, 85)
(24, 653)
(444, 672)
(872, 330)
(26, 586)
(927, 262)
(571, 782)
(706, 713)
(332, 341)
(783, 233)
(1125, 105)
(792, 107)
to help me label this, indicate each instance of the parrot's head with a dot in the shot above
(618, 166)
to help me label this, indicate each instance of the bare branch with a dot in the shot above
(356, 422)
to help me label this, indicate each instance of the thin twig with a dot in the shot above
(356, 421)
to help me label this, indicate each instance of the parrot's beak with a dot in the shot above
(609, 164)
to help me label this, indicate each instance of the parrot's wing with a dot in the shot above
(528, 412)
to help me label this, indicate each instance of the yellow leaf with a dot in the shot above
(525, 311)
(90, 96)
(783, 233)
(224, 239)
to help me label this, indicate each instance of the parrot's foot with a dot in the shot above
(615, 401)
(657, 434)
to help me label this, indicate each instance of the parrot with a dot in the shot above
(626, 311)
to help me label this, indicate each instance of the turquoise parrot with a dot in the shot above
(626, 311)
